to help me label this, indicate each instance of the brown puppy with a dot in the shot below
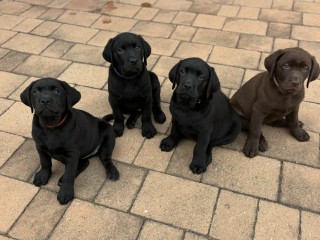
(273, 97)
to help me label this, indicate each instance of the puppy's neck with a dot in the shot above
(62, 121)
(117, 72)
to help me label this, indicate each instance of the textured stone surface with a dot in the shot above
(272, 196)
(160, 199)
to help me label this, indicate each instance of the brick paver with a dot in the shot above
(272, 196)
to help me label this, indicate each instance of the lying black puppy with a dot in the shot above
(199, 111)
(69, 135)
(132, 88)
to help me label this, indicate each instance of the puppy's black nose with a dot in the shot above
(45, 101)
(133, 60)
(187, 86)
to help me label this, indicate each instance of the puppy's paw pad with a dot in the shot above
(41, 178)
(197, 169)
(300, 134)
(118, 129)
(166, 144)
(130, 125)
(160, 117)
(65, 196)
(148, 131)
(263, 144)
(113, 174)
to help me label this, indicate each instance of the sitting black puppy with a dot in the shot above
(199, 111)
(69, 135)
(132, 88)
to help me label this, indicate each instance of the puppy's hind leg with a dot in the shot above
(158, 114)
(82, 165)
(107, 137)
(132, 120)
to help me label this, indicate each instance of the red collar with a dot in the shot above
(60, 123)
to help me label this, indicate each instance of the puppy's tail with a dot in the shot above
(108, 117)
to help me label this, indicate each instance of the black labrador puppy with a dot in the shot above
(199, 111)
(132, 88)
(69, 135)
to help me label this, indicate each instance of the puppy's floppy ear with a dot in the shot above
(271, 62)
(25, 96)
(315, 71)
(73, 95)
(213, 84)
(146, 49)
(107, 52)
(173, 74)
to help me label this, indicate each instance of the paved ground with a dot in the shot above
(273, 196)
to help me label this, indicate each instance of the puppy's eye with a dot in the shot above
(182, 71)
(138, 47)
(305, 69)
(35, 92)
(55, 91)
(201, 77)
(286, 66)
(120, 50)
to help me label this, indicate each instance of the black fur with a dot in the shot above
(199, 111)
(66, 134)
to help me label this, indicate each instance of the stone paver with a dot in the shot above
(276, 222)
(300, 186)
(160, 199)
(85, 75)
(240, 57)
(157, 161)
(309, 226)
(235, 212)
(15, 196)
(39, 218)
(232, 170)
(49, 67)
(35, 44)
(23, 163)
(121, 194)
(9, 144)
(272, 196)
(216, 37)
(79, 34)
(95, 220)
(159, 231)
(9, 82)
(245, 26)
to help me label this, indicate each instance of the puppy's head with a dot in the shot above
(128, 53)
(290, 67)
(195, 80)
(51, 99)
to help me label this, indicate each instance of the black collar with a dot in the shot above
(119, 74)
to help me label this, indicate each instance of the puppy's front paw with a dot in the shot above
(263, 144)
(167, 144)
(300, 134)
(197, 168)
(65, 195)
(148, 130)
(42, 177)
(113, 173)
(118, 129)
(159, 116)
(251, 148)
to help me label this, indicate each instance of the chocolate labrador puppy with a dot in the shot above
(273, 97)
(69, 135)
(199, 111)
(132, 88)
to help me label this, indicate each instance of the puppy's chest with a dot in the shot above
(285, 106)
(53, 144)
